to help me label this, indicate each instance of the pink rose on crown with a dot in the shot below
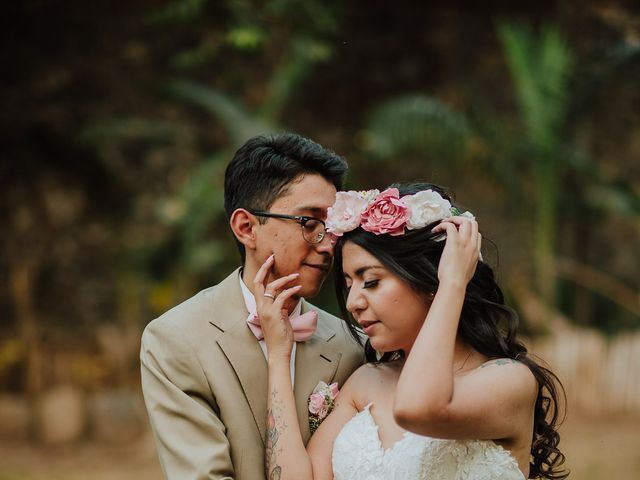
(387, 214)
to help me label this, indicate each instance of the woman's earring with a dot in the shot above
(430, 297)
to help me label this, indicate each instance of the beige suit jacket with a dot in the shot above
(204, 379)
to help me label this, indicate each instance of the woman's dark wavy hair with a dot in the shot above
(486, 323)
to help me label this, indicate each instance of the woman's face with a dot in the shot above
(390, 312)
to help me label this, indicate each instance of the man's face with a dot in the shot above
(308, 195)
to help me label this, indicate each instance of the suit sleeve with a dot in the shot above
(190, 437)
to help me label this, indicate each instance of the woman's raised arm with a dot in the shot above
(490, 402)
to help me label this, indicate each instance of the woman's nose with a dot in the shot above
(355, 301)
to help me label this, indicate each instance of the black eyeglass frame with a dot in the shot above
(301, 219)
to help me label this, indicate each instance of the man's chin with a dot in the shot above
(310, 291)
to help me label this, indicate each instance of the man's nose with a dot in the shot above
(326, 245)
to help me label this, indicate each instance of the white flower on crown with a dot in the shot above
(369, 195)
(346, 212)
(426, 207)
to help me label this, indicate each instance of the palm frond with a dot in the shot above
(240, 123)
(177, 11)
(304, 53)
(540, 67)
(203, 197)
(131, 128)
(417, 124)
(617, 199)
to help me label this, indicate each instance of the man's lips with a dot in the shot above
(320, 266)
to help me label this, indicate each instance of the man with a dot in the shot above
(204, 370)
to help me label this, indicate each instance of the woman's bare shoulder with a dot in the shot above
(507, 366)
(509, 374)
(498, 362)
(366, 372)
(369, 377)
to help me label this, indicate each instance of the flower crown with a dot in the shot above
(386, 212)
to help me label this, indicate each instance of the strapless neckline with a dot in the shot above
(358, 454)
(366, 412)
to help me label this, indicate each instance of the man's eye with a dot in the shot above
(370, 284)
(311, 225)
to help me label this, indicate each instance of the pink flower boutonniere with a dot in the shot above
(321, 403)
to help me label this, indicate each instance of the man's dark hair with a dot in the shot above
(264, 167)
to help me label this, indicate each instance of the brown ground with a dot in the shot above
(607, 449)
(602, 449)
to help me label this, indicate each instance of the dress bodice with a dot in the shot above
(358, 455)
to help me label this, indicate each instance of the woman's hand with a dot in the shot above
(460, 255)
(274, 318)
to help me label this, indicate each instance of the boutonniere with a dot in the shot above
(321, 402)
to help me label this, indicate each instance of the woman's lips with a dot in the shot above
(367, 326)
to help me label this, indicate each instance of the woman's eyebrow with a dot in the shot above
(359, 272)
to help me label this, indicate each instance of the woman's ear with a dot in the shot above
(243, 226)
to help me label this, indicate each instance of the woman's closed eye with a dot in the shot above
(370, 283)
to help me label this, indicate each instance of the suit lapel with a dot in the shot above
(316, 360)
(241, 347)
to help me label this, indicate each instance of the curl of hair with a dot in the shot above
(486, 323)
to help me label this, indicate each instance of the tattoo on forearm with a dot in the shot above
(275, 473)
(272, 436)
(499, 361)
(275, 426)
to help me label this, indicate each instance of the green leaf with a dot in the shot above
(417, 124)
(303, 54)
(540, 67)
(115, 129)
(246, 38)
(177, 11)
(240, 123)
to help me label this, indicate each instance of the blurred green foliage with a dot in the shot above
(119, 127)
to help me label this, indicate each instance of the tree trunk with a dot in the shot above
(20, 279)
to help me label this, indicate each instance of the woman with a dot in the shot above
(449, 393)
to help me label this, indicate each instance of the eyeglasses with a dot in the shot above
(313, 229)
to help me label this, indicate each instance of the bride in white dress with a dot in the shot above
(448, 393)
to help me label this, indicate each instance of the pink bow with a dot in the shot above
(304, 326)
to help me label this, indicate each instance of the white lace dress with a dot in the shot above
(358, 455)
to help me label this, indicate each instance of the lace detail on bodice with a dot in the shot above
(358, 455)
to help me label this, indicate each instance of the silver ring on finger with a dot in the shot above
(269, 295)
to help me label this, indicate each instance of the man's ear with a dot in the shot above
(243, 225)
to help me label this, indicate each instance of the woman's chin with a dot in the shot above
(379, 346)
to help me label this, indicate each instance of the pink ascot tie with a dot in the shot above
(304, 326)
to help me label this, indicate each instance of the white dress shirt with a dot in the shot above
(250, 302)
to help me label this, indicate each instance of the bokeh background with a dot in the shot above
(118, 119)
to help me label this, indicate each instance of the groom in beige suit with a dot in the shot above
(204, 368)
